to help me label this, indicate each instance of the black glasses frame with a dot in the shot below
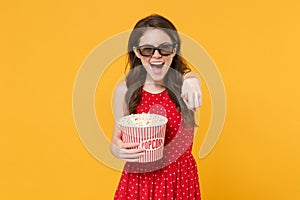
(160, 49)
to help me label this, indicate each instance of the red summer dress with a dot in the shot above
(175, 176)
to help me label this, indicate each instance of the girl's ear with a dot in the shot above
(137, 53)
(175, 50)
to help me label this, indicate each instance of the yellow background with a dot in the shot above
(255, 44)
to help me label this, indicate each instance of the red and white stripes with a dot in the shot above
(149, 138)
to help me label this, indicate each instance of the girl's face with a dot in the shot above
(156, 53)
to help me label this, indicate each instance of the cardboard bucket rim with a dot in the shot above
(163, 120)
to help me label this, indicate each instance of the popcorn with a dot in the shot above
(143, 119)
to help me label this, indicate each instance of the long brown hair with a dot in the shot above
(136, 76)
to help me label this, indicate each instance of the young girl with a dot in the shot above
(158, 82)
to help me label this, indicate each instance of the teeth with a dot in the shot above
(156, 63)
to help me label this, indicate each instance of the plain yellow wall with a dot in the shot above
(255, 44)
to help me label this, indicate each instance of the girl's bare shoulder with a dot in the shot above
(121, 89)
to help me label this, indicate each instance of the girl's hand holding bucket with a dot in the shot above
(128, 152)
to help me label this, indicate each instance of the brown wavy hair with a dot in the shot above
(136, 76)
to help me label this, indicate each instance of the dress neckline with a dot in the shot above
(154, 93)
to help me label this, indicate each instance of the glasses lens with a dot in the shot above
(146, 51)
(166, 50)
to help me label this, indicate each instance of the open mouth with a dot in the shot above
(157, 64)
(157, 67)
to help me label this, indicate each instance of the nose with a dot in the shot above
(156, 54)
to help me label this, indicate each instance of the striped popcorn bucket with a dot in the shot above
(150, 137)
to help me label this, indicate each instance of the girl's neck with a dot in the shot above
(153, 87)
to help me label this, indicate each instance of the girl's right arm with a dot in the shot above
(118, 148)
